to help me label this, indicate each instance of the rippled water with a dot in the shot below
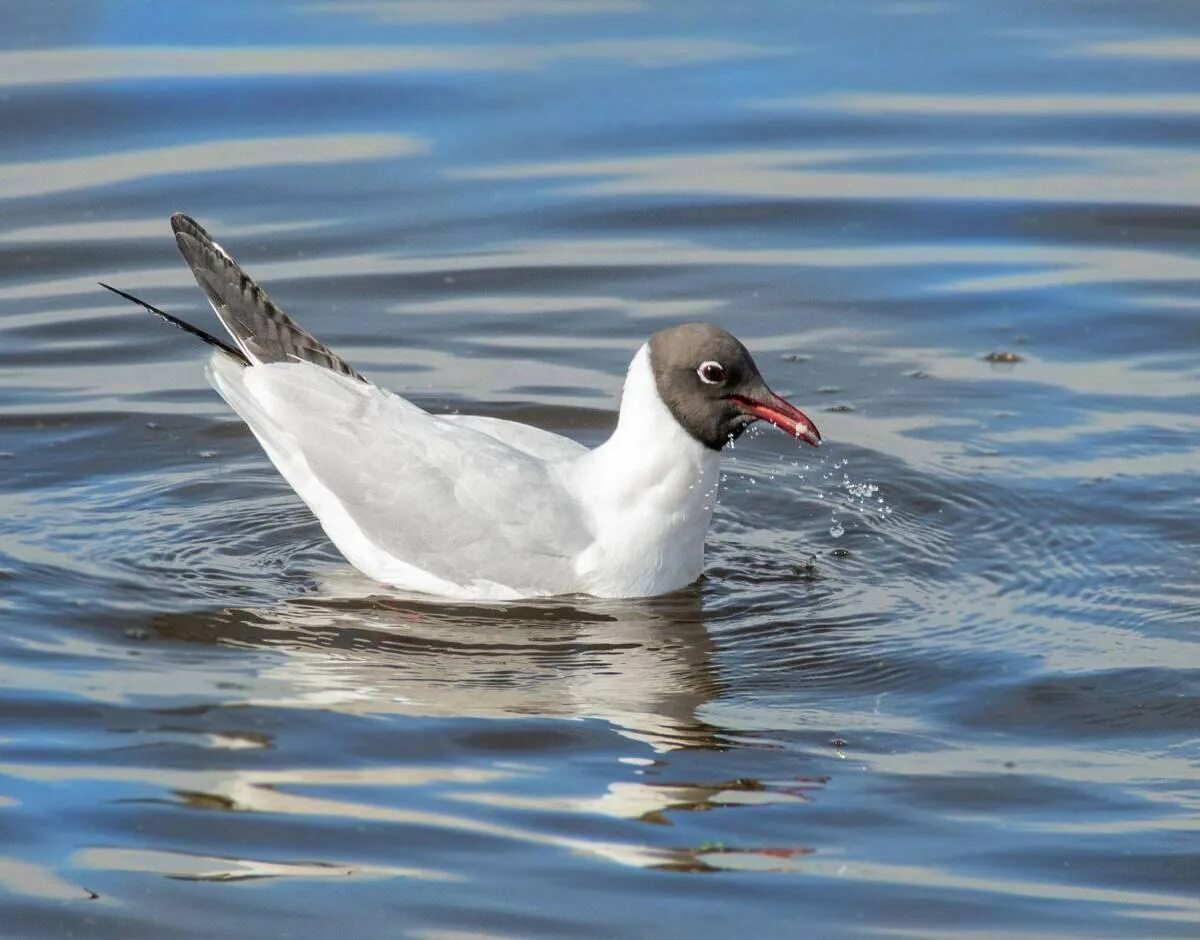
(942, 677)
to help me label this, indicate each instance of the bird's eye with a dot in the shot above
(711, 373)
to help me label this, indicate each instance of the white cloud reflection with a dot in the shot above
(41, 177)
(473, 11)
(24, 67)
(1009, 105)
(1020, 174)
(1167, 48)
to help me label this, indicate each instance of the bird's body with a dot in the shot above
(477, 507)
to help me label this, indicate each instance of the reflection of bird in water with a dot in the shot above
(644, 666)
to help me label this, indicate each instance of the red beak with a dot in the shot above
(781, 413)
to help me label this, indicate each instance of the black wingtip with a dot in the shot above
(182, 324)
(130, 297)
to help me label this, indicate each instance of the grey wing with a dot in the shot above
(536, 442)
(259, 328)
(464, 510)
(391, 482)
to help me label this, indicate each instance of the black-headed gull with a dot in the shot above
(481, 508)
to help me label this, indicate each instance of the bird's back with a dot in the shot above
(412, 499)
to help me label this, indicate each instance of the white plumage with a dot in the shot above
(474, 507)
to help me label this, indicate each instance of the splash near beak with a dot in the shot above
(783, 414)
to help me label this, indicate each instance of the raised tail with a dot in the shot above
(182, 324)
(262, 331)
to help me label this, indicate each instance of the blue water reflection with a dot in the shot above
(942, 677)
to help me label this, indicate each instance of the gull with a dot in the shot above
(474, 507)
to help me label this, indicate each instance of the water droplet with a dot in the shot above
(860, 490)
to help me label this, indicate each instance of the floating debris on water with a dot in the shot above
(841, 407)
(837, 530)
(1002, 358)
(796, 357)
(917, 374)
(808, 569)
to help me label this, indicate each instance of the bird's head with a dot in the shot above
(712, 387)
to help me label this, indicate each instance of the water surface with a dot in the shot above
(942, 677)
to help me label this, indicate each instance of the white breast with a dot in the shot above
(649, 493)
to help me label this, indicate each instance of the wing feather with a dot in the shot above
(394, 484)
(259, 328)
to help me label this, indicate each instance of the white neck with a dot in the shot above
(650, 491)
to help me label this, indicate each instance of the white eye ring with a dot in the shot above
(711, 372)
